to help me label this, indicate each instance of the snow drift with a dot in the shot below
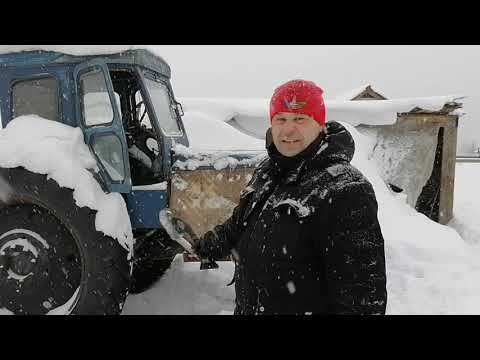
(466, 207)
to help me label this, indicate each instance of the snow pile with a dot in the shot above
(226, 108)
(214, 143)
(187, 290)
(207, 131)
(253, 114)
(383, 112)
(59, 151)
(466, 205)
(191, 159)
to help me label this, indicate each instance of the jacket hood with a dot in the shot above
(336, 146)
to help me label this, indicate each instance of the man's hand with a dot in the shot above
(187, 239)
(167, 221)
(195, 247)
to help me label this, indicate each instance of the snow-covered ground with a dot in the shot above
(185, 290)
(430, 268)
(466, 206)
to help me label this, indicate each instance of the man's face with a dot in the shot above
(292, 133)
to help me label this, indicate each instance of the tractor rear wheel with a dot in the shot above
(52, 258)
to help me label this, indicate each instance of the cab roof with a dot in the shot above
(141, 57)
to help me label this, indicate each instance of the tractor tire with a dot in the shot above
(153, 258)
(51, 255)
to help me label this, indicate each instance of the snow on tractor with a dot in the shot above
(92, 149)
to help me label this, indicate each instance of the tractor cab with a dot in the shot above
(125, 106)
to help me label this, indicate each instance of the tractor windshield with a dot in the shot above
(164, 106)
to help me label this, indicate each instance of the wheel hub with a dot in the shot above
(19, 254)
(22, 263)
(39, 266)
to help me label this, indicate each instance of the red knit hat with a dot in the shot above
(299, 96)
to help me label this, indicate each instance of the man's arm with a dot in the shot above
(354, 253)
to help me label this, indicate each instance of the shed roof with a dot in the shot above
(364, 92)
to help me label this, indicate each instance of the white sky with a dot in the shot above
(398, 71)
(253, 71)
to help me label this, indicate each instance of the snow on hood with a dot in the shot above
(186, 158)
(253, 114)
(59, 151)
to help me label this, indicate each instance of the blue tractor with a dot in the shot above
(126, 108)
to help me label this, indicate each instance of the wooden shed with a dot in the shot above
(431, 149)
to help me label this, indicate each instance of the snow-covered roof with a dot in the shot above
(70, 49)
(21, 55)
(252, 115)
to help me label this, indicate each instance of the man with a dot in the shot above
(305, 235)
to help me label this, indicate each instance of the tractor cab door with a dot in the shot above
(99, 117)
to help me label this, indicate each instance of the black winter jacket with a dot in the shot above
(306, 237)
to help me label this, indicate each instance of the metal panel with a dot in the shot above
(144, 207)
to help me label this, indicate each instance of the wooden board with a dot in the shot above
(206, 198)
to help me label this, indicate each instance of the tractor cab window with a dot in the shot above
(142, 140)
(164, 106)
(96, 105)
(37, 96)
